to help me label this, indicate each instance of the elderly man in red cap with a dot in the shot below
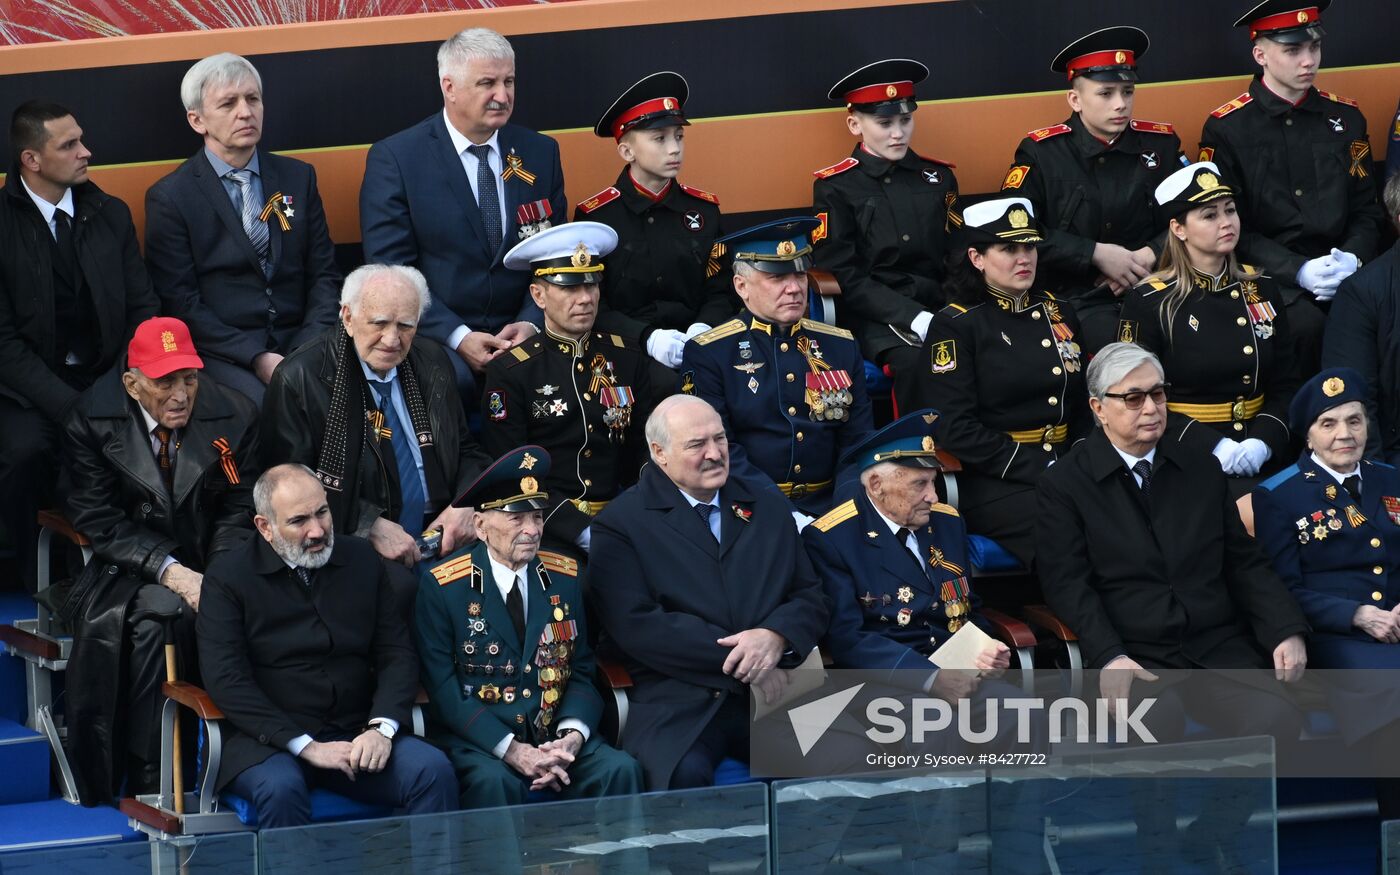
(160, 484)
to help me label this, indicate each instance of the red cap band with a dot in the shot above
(660, 104)
(1284, 20)
(881, 93)
(1110, 58)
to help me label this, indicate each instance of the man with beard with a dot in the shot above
(311, 663)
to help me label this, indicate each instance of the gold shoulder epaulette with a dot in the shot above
(1225, 109)
(558, 563)
(837, 515)
(607, 195)
(733, 326)
(958, 309)
(615, 339)
(1155, 284)
(453, 569)
(523, 352)
(940, 507)
(1337, 98)
(823, 328)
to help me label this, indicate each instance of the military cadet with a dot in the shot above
(1003, 365)
(1300, 161)
(791, 391)
(583, 395)
(886, 212)
(1219, 328)
(505, 655)
(667, 281)
(1091, 179)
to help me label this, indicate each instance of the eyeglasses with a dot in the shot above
(1135, 400)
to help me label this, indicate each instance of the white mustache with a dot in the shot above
(493, 104)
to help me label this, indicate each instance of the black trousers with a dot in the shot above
(29, 457)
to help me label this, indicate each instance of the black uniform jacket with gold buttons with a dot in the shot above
(1302, 176)
(665, 271)
(756, 376)
(1227, 345)
(567, 397)
(884, 236)
(1086, 191)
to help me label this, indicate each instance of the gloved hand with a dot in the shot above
(696, 328)
(1255, 454)
(802, 519)
(1321, 276)
(666, 346)
(1347, 263)
(1230, 454)
(920, 325)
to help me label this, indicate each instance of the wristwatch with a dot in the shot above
(383, 729)
(563, 732)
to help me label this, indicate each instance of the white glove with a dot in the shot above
(1230, 453)
(802, 519)
(1347, 263)
(1321, 276)
(585, 538)
(696, 328)
(1255, 453)
(920, 324)
(666, 346)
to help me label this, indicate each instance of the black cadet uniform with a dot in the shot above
(1007, 377)
(666, 271)
(885, 225)
(1086, 191)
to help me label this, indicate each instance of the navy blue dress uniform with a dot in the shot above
(486, 681)
(1225, 344)
(1302, 171)
(584, 400)
(1087, 191)
(889, 609)
(667, 271)
(792, 398)
(1337, 551)
(885, 224)
(1007, 376)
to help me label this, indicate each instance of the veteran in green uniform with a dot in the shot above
(505, 656)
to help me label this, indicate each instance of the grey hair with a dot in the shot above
(1116, 361)
(476, 42)
(1390, 196)
(270, 480)
(355, 283)
(658, 428)
(214, 71)
(882, 469)
(744, 269)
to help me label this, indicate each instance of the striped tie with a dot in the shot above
(255, 228)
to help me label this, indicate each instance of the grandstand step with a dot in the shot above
(13, 698)
(55, 823)
(24, 761)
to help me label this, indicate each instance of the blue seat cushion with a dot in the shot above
(325, 807)
(987, 556)
(875, 379)
(731, 771)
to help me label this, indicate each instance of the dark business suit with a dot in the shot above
(207, 273)
(667, 592)
(417, 208)
(286, 659)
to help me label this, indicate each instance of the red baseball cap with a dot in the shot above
(161, 345)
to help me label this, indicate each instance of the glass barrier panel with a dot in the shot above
(229, 854)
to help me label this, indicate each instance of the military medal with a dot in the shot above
(1392, 508)
(533, 217)
(1332, 522)
(376, 424)
(617, 404)
(867, 600)
(508, 695)
(1330, 491)
(278, 205)
(474, 609)
(936, 559)
(515, 167)
(1065, 343)
(905, 594)
(1261, 312)
(1302, 524)
(489, 693)
(904, 616)
(745, 350)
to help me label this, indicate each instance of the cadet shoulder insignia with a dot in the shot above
(823, 328)
(733, 326)
(1153, 284)
(1207, 153)
(617, 341)
(955, 310)
(607, 195)
(944, 357)
(699, 193)
(453, 570)
(839, 167)
(1037, 136)
(820, 232)
(1015, 176)
(1127, 330)
(837, 515)
(522, 353)
(1226, 108)
(1337, 98)
(1147, 127)
(940, 507)
(932, 160)
(558, 563)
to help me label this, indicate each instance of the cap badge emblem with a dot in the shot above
(1207, 181)
(529, 485)
(891, 91)
(1333, 386)
(669, 103)
(581, 258)
(1120, 57)
(787, 249)
(1303, 16)
(167, 341)
(527, 462)
(1018, 218)
(928, 444)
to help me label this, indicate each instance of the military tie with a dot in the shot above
(902, 536)
(1144, 470)
(515, 606)
(255, 228)
(167, 471)
(487, 198)
(410, 483)
(1352, 485)
(705, 511)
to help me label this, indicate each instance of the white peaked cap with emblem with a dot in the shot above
(565, 255)
(1192, 186)
(1002, 220)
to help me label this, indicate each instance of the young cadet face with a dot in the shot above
(1209, 231)
(885, 136)
(568, 310)
(779, 298)
(480, 99)
(1105, 108)
(63, 159)
(1008, 266)
(655, 154)
(1338, 436)
(383, 323)
(1289, 68)
(904, 494)
(168, 399)
(230, 119)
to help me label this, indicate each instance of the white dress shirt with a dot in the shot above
(1338, 476)
(47, 209)
(1131, 460)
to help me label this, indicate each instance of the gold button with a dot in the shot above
(1052, 401)
(1056, 370)
(528, 668)
(797, 469)
(1375, 542)
(790, 378)
(587, 397)
(590, 428)
(588, 454)
(1235, 295)
(792, 411)
(1239, 426)
(799, 435)
(1047, 447)
(1378, 570)
(783, 347)
(1045, 342)
(1249, 350)
(525, 692)
(588, 483)
(580, 366)
(1375, 596)
(1247, 379)
(1241, 321)
(1035, 314)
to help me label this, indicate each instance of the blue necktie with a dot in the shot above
(410, 484)
(248, 210)
(487, 198)
(706, 512)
